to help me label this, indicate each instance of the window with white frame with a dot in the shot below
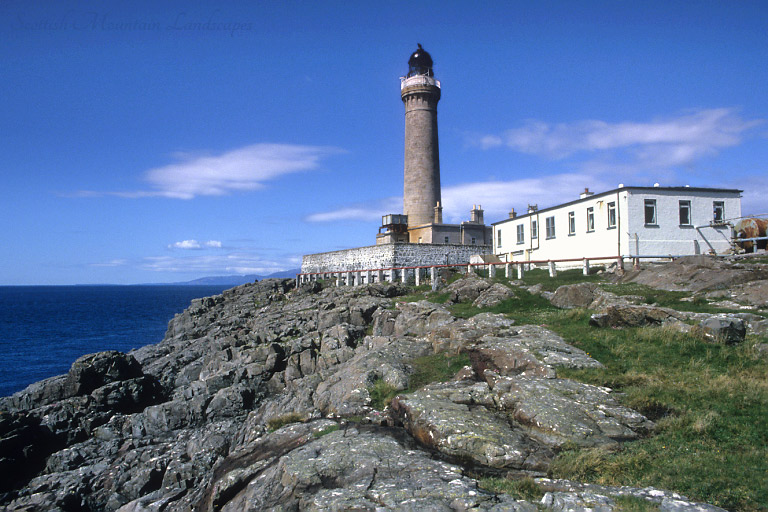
(590, 219)
(718, 211)
(650, 212)
(611, 215)
(498, 238)
(685, 213)
(550, 227)
(571, 223)
(534, 229)
(520, 233)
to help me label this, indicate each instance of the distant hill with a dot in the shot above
(235, 280)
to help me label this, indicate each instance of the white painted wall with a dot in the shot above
(668, 236)
(630, 236)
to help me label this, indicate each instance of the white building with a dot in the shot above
(627, 221)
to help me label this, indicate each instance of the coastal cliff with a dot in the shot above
(274, 397)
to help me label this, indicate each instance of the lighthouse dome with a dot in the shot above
(420, 63)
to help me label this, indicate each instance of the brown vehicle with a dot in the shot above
(750, 228)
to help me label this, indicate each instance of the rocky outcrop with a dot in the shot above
(696, 274)
(260, 398)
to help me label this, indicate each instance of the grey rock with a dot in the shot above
(467, 288)
(418, 318)
(560, 410)
(634, 316)
(492, 296)
(723, 329)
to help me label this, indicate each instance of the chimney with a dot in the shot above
(476, 215)
(438, 213)
(512, 213)
(586, 193)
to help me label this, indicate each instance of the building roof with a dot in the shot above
(620, 189)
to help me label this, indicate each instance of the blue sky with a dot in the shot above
(165, 141)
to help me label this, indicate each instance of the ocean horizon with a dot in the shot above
(46, 328)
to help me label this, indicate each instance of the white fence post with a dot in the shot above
(520, 270)
(552, 269)
(586, 267)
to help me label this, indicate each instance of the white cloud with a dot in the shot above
(496, 198)
(244, 169)
(194, 244)
(674, 141)
(111, 263)
(219, 264)
(367, 213)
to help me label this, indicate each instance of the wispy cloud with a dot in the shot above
(674, 141)
(243, 262)
(112, 263)
(244, 169)
(496, 197)
(194, 244)
(359, 212)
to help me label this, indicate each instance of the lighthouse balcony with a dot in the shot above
(418, 80)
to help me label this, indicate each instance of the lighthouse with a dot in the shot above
(421, 221)
(420, 93)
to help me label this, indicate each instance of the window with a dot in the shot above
(685, 213)
(498, 238)
(474, 241)
(550, 226)
(419, 239)
(650, 212)
(571, 223)
(534, 229)
(447, 240)
(520, 233)
(611, 215)
(590, 219)
(718, 211)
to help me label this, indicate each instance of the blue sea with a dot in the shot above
(43, 329)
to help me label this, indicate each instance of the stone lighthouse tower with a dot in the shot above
(420, 93)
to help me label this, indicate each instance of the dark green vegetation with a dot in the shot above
(427, 369)
(709, 401)
(523, 489)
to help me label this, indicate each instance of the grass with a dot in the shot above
(522, 489)
(571, 276)
(709, 401)
(427, 369)
(327, 430)
(280, 421)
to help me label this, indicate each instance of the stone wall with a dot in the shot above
(375, 257)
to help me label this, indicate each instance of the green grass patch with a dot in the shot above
(571, 276)
(523, 489)
(381, 393)
(327, 430)
(435, 368)
(280, 421)
(426, 369)
(709, 402)
(634, 504)
(524, 307)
